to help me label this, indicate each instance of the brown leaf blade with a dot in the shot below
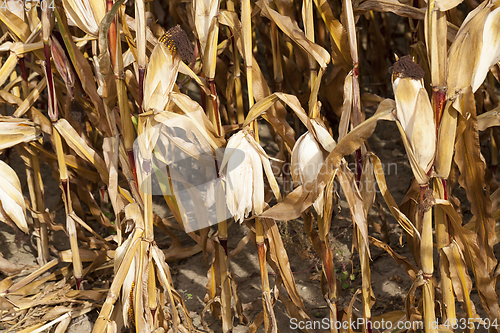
(472, 167)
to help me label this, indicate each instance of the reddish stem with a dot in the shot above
(223, 243)
(53, 114)
(112, 35)
(356, 119)
(438, 100)
(22, 65)
(78, 283)
(327, 262)
(131, 160)
(64, 183)
(153, 312)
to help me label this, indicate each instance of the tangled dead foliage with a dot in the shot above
(122, 108)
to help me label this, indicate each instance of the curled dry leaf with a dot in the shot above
(63, 65)
(14, 131)
(11, 198)
(478, 45)
(488, 119)
(85, 14)
(292, 30)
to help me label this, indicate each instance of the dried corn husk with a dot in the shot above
(242, 166)
(308, 156)
(414, 111)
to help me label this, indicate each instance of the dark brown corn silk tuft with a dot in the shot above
(177, 41)
(405, 67)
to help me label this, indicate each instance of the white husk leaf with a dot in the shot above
(414, 112)
(244, 178)
(406, 92)
(307, 160)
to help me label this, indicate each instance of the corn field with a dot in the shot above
(117, 108)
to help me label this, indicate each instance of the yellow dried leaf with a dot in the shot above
(292, 30)
(14, 131)
(86, 14)
(76, 143)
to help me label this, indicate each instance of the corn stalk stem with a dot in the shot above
(70, 223)
(140, 21)
(277, 68)
(227, 325)
(246, 26)
(437, 51)
(240, 115)
(146, 194)
(322, 248)
(128, 130)
(142, 71)
(442, 240)
(24, 75)
(53, 114)
(22, 67)
(215, 106)
(222, 227)
(266, 291)
(127, 125)
(366, 281)
(436, 44)
(426, 253)
(44, 237)
(138, 291)
(357, 117)
(112, 34)
(329, 271)
(63, 172)
(152, 301)
(309, 30)
(35, 186)
(131, 159)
